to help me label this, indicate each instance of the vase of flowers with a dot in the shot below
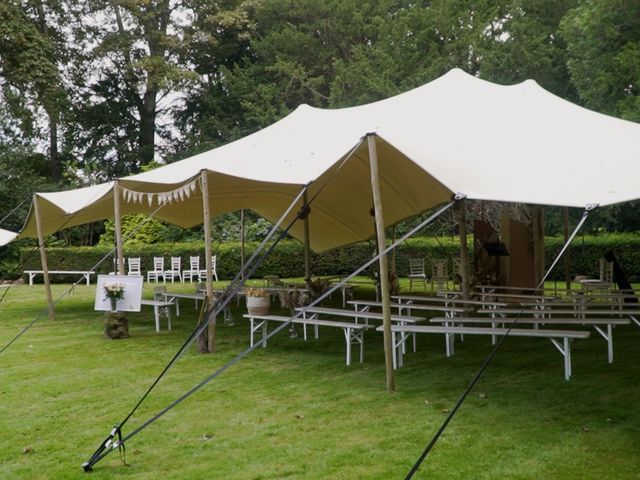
(116, 324)
(258, 301)
(113, 292)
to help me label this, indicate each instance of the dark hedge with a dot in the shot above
(287, 260)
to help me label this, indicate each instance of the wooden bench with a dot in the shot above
(157, 305)
(555, 336)
(599, 324)
(85, 273)
(174, 298)
(353, 332)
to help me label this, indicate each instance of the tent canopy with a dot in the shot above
(456, 134)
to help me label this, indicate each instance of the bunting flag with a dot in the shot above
(177, 195)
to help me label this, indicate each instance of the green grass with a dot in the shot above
(295, 411)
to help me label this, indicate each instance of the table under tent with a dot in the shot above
(455, 138)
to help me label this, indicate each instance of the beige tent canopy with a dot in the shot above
(456, 134)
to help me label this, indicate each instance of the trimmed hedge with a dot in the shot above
(287, 259)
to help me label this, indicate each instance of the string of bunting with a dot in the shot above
(177, 195)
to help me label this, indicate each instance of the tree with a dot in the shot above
(603, 44)
(30, 50)
(132, 64)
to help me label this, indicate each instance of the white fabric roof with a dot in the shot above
(6, 236)
(457, 133)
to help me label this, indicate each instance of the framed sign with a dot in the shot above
(132, 293)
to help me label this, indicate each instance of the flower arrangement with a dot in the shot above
(255, 292)
(113, 292)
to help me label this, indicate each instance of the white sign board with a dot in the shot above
(132, 293)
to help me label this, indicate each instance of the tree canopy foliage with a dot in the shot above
(98, 89)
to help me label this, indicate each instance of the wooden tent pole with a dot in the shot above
(464, 273)
(211, 342)
(384, 267)
(242, 243)
(43, 257)
(567, 262)
(307, 247)
(117, 224)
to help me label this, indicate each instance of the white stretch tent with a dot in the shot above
(456, 134)
(7, 236)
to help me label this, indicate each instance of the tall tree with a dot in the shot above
(30, 53)
(603, 43)
(132, 65)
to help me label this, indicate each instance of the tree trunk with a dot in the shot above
(146, 140)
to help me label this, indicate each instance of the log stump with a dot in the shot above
(116, 325)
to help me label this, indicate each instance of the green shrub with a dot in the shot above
(287, 259)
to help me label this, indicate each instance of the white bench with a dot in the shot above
(353, 332)
(356, 315)
(157, 305)
(633, 314)
(597, 323)
(174, 298)
(553, 335)
(85, 273)
(449, 311)
(448, 300)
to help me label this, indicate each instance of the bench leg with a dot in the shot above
(347, 334)
(394, 348)
(156, 314)
(168, 317)
(31, 275)
(608, 336)
(177, 307)
(565, 350)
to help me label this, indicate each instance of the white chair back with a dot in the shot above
(133, 264)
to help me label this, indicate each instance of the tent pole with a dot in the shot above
(567, 267)
(307, 248)
(242, 244)
(211, 330)
(538, 243)
(383, 262)
(464, 274)
(43, 257)
(117, 225)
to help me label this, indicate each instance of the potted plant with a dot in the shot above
(258, 300)
(116, 324)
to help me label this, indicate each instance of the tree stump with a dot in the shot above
(116, 325)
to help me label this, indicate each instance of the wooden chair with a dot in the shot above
(158, 270)
(193, 272)
(175, 270)
(439, 275)
(417, 273)
(133, 266)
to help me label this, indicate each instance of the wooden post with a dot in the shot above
(117, 223)
(242, 243)
(384, 267)
(207, 253)
(462, 228)
(307, 247)
(538, 243)
(567, 269)
(43, 257)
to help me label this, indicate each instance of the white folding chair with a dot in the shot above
(175, 270)
(214, 272)
(193, 272)
(133, 266)
(417, 273)
(158, 270)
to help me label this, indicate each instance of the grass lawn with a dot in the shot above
(294, 410)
